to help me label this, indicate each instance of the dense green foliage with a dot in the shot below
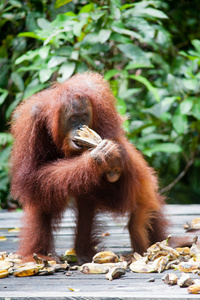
(148, 50)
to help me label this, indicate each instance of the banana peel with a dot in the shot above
(70, 256)
(194, 289)
(5, 265)
(87, 137)
(26, 270)
(94, 268)
(115, 272)
(170, 278)
(105, 257)
(4, 273)
(120, 264)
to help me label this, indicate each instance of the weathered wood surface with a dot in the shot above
(130, 286)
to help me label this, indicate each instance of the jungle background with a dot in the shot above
(148, 50)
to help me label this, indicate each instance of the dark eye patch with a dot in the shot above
(85, 116)
(74, 118)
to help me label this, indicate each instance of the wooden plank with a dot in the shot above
(95, 286)
(171, 209)
(131, 286)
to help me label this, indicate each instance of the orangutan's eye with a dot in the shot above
(85, 117)
(74, 118)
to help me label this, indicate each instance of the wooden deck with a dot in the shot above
(130, 286)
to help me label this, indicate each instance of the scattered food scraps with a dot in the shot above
(170, 278)
(194, 225)
(105, 257)
(94, 268)
(185, 280)
(70, 255)
(115, 272)
(159, 257)
(194, 289)
(105, 234)
(14, 230)
(73, 290)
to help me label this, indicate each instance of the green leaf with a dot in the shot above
(186, 105)
(74, 55)
(87, 8)
(123, 85)
(8, 16)
(126, 126)
(114, 87)
(15, 3)
(116, 3)
(5, 138)
(118, 37)
(180, 123)
(88, 59)
(191, 84)
(166, 116)
(125, 6)
(156, 13)
(62, 19)
(55, 61)
(44, 24)
(77, 28)
(60, 3)
(18, 81)
(196, 44)
(4, 154)
(164, 147)
(66, 70)
(81, 67)
(29, 34)
(115, 9)
(148, 85)
(27, 56)
(135, 65)
(134, 53)
(108, 75)
(45, 74)
(64, 51)
(58, 35)
(120, 29)
(13, 105)
(196, 109)
(33, 87)
(149, 12)
(121, 106)
(130, 92)
(3, 95)
(44, 52)
(137, 124)
(104, 35)
(29, 68)
(91, 38)
(160, 108)
(153, 137)
(4, 182)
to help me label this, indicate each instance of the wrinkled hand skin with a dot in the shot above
(105, 151)
(108, 151)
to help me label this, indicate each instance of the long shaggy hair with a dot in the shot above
(45, 174)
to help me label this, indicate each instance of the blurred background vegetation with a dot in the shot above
(148, 50)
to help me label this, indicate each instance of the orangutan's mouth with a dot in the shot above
(76, 145)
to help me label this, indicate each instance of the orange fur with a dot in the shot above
(45, 173)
